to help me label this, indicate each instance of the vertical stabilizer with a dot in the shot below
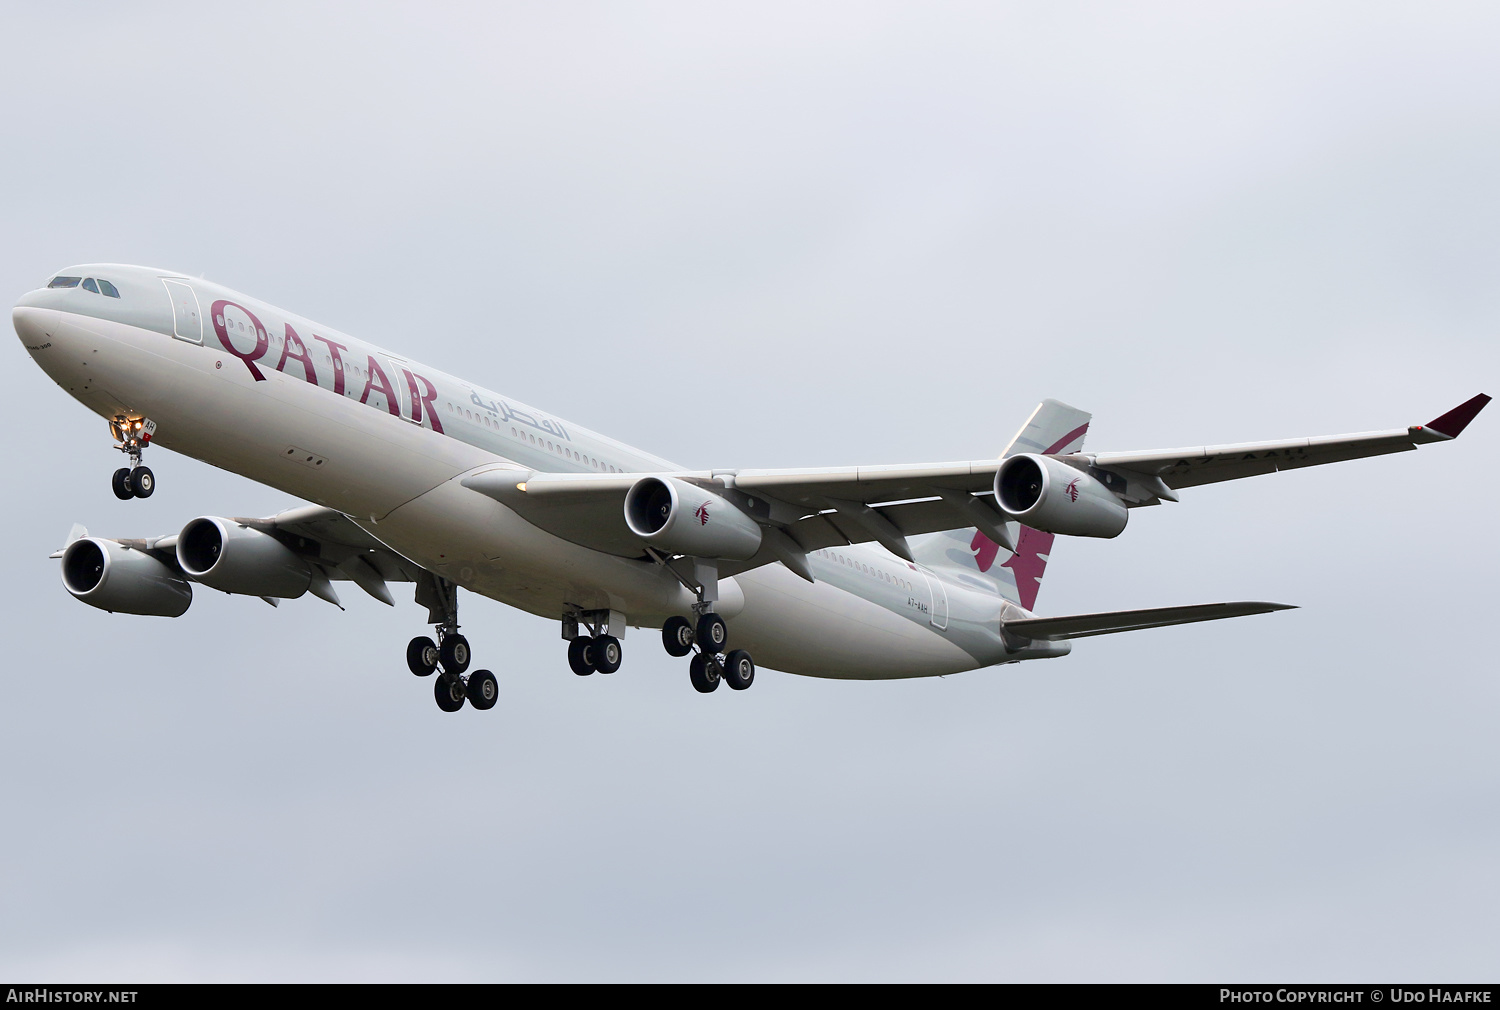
(968, 555)
(1052, 427)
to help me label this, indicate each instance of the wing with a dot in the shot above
(801, 510)
(804, 510)
(334, 548)
(1166, 470)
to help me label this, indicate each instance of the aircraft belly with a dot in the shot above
(818, 630)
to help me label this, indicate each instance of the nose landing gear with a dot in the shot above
(133, 434)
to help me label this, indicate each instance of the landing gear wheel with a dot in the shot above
(739, 670)
(607, 654)
(482, 690)
(449, 692)
(704, 672)
(712, 633)
(142, 482)
(453, 654)
(120, 482)
(677, 636)
(422, 656)
(581, 656)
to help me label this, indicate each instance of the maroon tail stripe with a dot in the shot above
(1079, 431)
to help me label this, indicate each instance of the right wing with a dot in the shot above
(332, 546)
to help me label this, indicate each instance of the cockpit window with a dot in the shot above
(64, 282)
(106, 288)
(89, 285)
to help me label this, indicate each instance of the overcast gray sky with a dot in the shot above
(788, 235)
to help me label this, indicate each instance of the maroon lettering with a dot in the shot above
(417, 399)
(334, 347)
(221, 329)
(384, 385)
(300, 354)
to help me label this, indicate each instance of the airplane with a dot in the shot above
(417, 476)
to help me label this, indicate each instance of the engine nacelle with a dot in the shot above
(1055, 498)
(682, 518)
(116, 578)
(237, 559)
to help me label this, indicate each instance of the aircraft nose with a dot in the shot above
(33, 325)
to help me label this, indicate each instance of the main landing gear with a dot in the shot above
(449, 656)
(595, 651)
(710, 663)
(133, 434)
(708, 635)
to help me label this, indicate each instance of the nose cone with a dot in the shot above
(33, 325)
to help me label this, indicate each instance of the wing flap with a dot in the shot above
(333, 540)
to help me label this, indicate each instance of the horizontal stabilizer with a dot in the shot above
(1084, 625)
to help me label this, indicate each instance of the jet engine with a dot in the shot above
(1055, 498)
(113, 577)
(682, 518)
(225, 555)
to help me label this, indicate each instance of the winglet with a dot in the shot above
(1457, 419)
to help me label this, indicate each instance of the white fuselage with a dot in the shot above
(301, 407)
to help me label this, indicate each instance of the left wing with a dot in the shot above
(1179, 468)
(804, 510)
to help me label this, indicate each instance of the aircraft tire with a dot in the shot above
(449, 692)
(120, 483)
(703, 671)
(142, 482)
(677, 636)
(422, 656)
(482, 690)
(581, 656)
(739, 670)
(607, 654)
(713, 634)
(454, 654)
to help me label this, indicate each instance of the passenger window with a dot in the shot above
(106, 288)
(64, 282)
(89, 285)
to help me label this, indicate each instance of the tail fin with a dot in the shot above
(969, 555)
(1052, 427)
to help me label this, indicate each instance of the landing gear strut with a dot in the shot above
(707, 634)
(449, 656)
(133, 434)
